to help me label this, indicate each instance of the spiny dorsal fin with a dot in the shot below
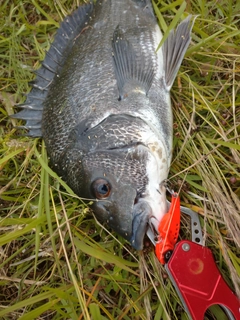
(54, 60)
(174, 49)
(132, 71)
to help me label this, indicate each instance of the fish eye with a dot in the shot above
(101, 188)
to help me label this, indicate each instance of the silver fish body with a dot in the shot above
(101, 102)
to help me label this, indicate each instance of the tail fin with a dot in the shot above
(52, 64)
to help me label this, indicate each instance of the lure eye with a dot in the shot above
(101, 188)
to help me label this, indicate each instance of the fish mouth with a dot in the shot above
(145, 221)
(141, 223)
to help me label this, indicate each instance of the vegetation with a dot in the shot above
(56, 261)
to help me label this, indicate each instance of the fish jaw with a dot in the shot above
(144, 219)
(141, 214)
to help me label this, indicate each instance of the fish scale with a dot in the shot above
(101, 102)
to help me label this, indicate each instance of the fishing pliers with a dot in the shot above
(191, 266)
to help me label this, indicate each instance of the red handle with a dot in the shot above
(198, 281)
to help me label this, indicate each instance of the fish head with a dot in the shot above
(122, 180)
(119, 206)
(116, 181)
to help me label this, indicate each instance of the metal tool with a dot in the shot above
(191, 267)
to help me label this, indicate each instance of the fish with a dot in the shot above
(101, 103)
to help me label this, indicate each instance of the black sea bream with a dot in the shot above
(101, 102)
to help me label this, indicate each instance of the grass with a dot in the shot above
(56, 261)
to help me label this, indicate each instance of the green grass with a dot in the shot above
(56, 261)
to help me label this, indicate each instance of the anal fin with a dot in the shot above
(174, 49)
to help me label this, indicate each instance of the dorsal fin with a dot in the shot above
(174, 49)
(64, 39)
(132, 71)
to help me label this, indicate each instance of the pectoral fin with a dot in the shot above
(174, 49)
(132, 70)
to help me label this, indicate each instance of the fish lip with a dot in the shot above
(141, 217)
(152, 232)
